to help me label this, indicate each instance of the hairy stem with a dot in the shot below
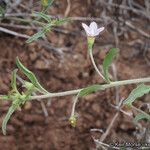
(104, 86)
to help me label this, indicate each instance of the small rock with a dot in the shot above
(28, 106)
(96, 108)
(98, 123)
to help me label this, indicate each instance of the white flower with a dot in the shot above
(92, 30)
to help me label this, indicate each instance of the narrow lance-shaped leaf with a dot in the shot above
(36, 36)
(7, 117)
(41, 33)
(137, 92)
(140, 116)
(61, 21)
(13, 80)
(42, 15)
(4, 97)
(107, 61)
(46, 29)
(30, 75)
(89, 90)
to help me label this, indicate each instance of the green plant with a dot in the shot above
(31, 86)
(18, 99)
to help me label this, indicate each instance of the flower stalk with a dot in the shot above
(92, 31)
(94, 64)
(73, 116)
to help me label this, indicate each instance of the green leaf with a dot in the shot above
(46, 29)
(107, 61)
(59, 22)
(41, 33)
(137, 92)
(7, 117)
(36, 36)
(13, 80)
(140, 116)
(90, 89)
(4, 97)
(30, 75)
(42, 15)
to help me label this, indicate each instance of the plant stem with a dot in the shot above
(26, 20)
(93, 62)
(74, 105)
(104, 86)
(139, 110)
(4, 97)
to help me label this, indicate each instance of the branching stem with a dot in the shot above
(104, 86)
(74, 92)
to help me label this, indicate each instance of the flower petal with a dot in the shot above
(93, 28)
(86, 28)
(93, 25)
(100, 29)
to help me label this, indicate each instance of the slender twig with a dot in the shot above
(101, 144)
(19, 26)
(80, 18)
(14, 33)
(68, 8)
(137, 29)
(121, 110)
(126, 8)
(41, 42)
(26, 20)
(103, 137)
(139, 110)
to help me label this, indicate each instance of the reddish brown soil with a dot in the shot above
(29, 128)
